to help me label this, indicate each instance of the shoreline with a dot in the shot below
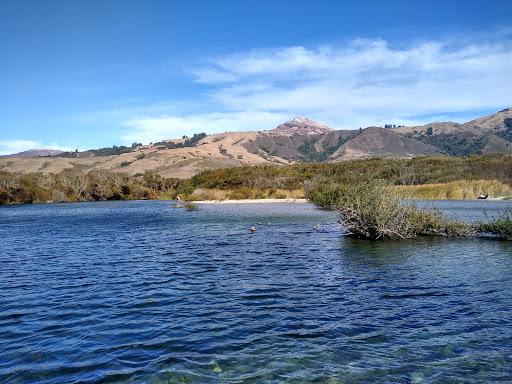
(241, 201)
(252, 201)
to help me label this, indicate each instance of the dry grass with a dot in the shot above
(243, 193)
(461, 189)
(207, 194)
(297, 194)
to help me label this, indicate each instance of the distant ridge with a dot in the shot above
(382, 142)
(298, 140)
(488, 134)
(36, 153)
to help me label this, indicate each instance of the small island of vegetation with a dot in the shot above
(371, 211)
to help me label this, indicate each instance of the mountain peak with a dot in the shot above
(301, 125)
(301, 120)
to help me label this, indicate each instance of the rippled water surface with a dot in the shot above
(139, 292)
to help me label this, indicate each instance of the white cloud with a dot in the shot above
(370, 76)
(146, 129)
(361, 83)
(8, 147)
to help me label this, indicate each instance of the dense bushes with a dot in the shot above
(107, 151)
(371, 212)
(490, 174)
(415, 171)
(22, 189)
(72, 185)
(320, 181)
(189, 142)
(323, 193)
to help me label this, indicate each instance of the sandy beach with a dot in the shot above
(251, 201)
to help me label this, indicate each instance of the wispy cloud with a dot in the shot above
(148, 129)
(360, 83)
(9, 147)
(368, 76)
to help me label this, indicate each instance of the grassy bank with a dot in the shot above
(243, 194)
(456, 190)
(441, 177)
(460, 189)
(417, 171)
(425, 177)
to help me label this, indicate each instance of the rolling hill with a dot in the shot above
(488, 134)
(298, 140)
(35, 153)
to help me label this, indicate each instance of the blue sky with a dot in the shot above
(97, 73)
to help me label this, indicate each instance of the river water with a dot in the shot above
(140, 292)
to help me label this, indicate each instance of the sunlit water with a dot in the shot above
(139, 292)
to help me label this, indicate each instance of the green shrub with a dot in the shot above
(369, 211)
(324, 193)
(500, 226)
(278, 194)
(189, 206)
(4, 196)
(241, 194)
(259, 194)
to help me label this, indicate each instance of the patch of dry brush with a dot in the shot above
(371, 212)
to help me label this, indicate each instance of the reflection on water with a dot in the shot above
(135, 292)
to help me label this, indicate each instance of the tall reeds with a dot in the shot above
(461, 189)
(243, 193)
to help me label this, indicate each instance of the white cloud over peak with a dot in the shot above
(361, 83)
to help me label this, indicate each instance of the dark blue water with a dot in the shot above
(139, 292)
